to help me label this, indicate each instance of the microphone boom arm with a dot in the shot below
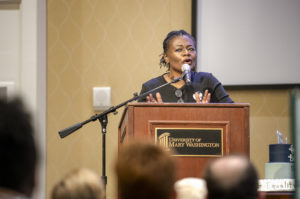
(67, 131)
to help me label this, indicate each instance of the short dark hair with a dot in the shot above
(246, 185)
(167, 40)
(145, 170)
(18, 152)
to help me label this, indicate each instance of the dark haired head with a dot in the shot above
(166, 43)
(18, 153)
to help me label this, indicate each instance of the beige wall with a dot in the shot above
(269, 112)
(92, 43)
(117, 43)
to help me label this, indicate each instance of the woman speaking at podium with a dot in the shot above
(179, 56)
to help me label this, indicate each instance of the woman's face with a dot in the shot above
(181, 50)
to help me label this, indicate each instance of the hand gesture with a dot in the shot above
(204, 99)
(151, 99)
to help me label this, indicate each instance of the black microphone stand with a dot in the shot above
(103, 121)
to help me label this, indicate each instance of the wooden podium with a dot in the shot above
(230, 121)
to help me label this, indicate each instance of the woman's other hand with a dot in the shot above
(151, 99)
(205, 98)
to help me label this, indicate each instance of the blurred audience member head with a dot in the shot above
(18, 152)
(79, 184)
(232, 176)
(190, 188)
(145, 170)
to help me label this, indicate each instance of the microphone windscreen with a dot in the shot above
(185, 67)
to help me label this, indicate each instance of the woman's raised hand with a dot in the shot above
(151, 99)
(205, 98)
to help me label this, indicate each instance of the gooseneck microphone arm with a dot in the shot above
(103, 120)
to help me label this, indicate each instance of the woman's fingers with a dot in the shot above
(151, 99)
(205, 99)
(158, 97)
(208, 98)
(198, 100)
(205, 96)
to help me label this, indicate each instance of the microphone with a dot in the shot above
(186, 69)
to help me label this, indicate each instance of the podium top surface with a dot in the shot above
(220, 105)
(183, 105)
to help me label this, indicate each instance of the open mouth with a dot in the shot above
(187, 61)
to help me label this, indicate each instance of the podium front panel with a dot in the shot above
(140, 120)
